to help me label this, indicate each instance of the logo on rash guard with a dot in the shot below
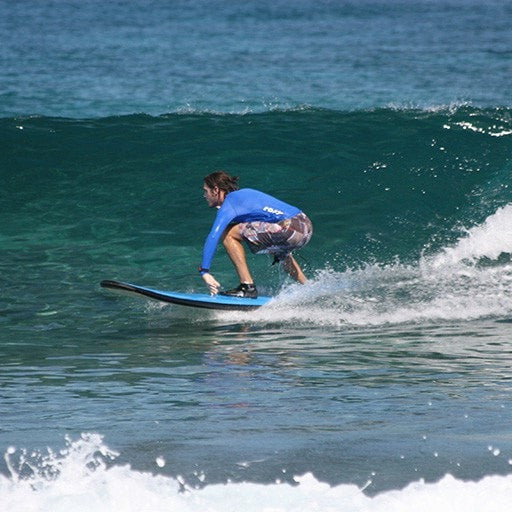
(272, 210)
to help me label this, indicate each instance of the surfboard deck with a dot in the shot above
(196, 300)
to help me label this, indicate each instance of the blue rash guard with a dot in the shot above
(245, 205)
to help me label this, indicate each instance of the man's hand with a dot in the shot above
(212, 283)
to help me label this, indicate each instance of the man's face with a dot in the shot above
(212, 196)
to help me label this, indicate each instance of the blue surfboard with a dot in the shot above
(196, 300)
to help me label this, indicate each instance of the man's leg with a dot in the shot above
(293, 268)
(233, 243)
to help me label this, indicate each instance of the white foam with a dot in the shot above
(77, 480)
(490, 239)
(394, 294)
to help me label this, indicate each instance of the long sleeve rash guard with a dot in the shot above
(245, 205)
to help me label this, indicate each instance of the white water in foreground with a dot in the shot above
(77, 479)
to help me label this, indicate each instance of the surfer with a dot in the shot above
(266, 224)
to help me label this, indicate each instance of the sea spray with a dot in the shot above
(76, 479)
(488, 240)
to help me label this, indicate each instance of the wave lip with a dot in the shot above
(489, 240)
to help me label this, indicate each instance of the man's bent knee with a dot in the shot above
(231, 233)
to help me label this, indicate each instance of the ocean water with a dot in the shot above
(384, 383)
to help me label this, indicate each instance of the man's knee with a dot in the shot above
(231, 234)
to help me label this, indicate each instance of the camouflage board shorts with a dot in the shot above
(280, 238)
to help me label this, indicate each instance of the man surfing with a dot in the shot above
(266, 224)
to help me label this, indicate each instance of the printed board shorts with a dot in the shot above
(280, 238)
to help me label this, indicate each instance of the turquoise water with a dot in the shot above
(391, 366)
